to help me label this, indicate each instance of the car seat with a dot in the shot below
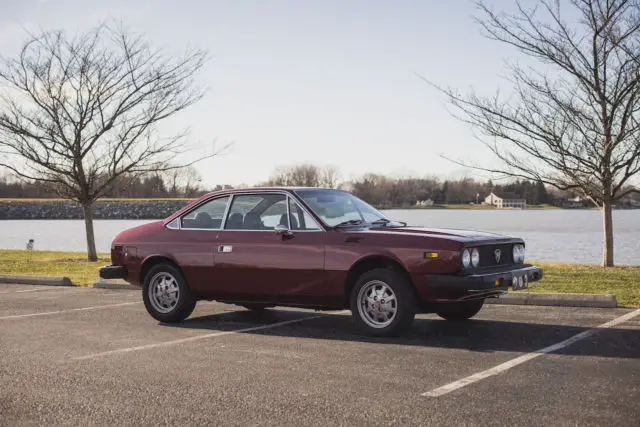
(235, 221)
(252, 221)
(203, 220)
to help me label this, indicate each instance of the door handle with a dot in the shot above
(225, 249)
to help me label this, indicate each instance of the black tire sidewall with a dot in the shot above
(405, 299)
(463, 310)
(186, 301)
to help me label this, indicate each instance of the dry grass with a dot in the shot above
(622, 281)
(45, 263)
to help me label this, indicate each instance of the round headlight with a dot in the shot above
(518, 254)
(466, 259)
(475, 257)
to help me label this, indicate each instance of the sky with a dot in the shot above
(327, 82)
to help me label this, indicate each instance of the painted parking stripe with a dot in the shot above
(57, 289)
(440, 391)
(199, 337)
(24, 290)
(71, 310)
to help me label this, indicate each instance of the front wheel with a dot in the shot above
(166, 295)
(383, 303)
(459, 310)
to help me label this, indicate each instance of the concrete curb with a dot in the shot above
(558, 300)
(36, 280)
(113, 284)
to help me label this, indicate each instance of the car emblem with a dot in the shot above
(497, 254)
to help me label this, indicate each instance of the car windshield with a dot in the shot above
(338, 208)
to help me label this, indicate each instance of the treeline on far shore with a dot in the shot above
(379, 190)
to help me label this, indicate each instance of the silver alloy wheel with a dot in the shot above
(377, 304)
(164, 292)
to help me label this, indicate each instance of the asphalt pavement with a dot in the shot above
(77, 356)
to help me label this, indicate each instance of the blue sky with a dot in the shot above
(323, 82)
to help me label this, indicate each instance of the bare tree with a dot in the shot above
(79, 112)
(573, 121)
(306, 175)
(329, 177)
(183, 182)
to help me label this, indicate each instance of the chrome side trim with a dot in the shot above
(226, 212)
(288, 199)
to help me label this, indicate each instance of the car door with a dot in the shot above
(195, 248)
(258, 263)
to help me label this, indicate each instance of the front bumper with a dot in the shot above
(480, 285)
(113, 272)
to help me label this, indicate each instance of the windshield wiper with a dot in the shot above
(349, 222)
(382, 221)
(385, 222)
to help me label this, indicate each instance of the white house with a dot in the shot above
(427, 202)
(506, 200)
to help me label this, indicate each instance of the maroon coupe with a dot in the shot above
(313, 248)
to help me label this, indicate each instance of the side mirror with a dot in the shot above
(282, 230)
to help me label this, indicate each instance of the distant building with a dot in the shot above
(427, 202)
(504, 200)
(571, 202)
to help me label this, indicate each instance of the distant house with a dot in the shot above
(427, 202)
(504, 200)
(572, 202)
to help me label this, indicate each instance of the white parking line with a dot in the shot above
(43, 289)
(440, 391)
(26, 290)
(49, 313)
(199, 337)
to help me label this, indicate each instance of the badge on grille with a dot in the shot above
(497, 253)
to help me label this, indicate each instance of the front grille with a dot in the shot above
(488, 258)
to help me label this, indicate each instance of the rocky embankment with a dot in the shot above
(102, 209)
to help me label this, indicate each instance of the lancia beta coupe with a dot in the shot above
(314, 248)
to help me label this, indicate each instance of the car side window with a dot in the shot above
(299, 219)
(206, 216)
(256, 212)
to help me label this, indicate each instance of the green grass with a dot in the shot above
(622, 281)
(73, 265)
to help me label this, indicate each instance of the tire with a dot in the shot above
(167, 305)
(256, 306)
(459, 310)
(365, 303)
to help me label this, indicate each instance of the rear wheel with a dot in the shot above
(459, 310)
(382, 303)
(166, 295)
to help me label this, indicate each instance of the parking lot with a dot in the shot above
(95, 357)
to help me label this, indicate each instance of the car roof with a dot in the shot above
(260, 189)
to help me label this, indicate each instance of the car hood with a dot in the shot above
(464, 236)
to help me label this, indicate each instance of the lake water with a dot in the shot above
(551, 235)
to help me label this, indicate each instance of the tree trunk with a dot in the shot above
(607, 222)
(88, 225)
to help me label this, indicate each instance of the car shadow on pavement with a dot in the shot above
(473, 335)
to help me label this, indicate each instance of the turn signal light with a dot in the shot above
(431, 255)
